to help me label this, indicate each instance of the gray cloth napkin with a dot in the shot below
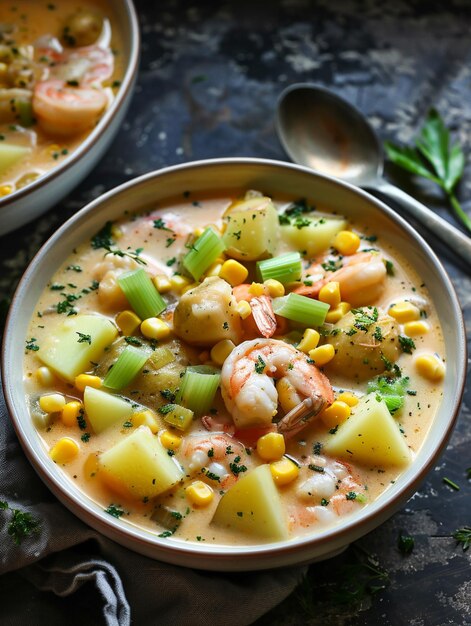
(69, 573)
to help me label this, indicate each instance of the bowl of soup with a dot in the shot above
(234, 364)
(67, 70)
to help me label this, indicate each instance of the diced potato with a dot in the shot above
(178, 416)
(207, 314)
(370, 436)
(104, 409)
(253, 506)
(315, 237)
(252, 229)
(139, 466)
(11, 154)
(68, 357)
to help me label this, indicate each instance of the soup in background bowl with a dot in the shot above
(66, 72)
(236, 369)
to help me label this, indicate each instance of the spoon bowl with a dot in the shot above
(322, 131)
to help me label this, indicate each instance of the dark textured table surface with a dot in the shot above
(209, 79)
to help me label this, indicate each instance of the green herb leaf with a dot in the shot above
(405, 543)
(463, 536)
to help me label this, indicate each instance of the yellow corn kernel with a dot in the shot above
(146, 418)
(179, 282)
(330, 294)
(45, 376)
(70, 412)
(65, 450)
(430, 367)
(154, 328)
(348, 397)
(244, 309)
(162, 283)
(284, 471)
(287, 395)
(413, 329)
(346, 242)
(335, 414)
(198, 231)
(221, 351)
(234, 272)
(257, 289)
(52, 403)
(170, 440)
(90, 467)
(271, 446)
(309, 341)
(5, 190)
(214, 270)
(128, 322)
(116, 231)
(336, 314)
(322, 354)
(275, 288)
(404, 312)
(87, 380)
(199, 493)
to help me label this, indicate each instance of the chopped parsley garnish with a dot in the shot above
(298, 208)
(407, 344)
(332, 265)
(103, 238)
(225, 326)
(365, 317)
(211, 452)
(405, 543)
(211, 475)
(317, 447)
(166, 408)
(82, 424)
(127, 424)
(21, 524)
(32, 345)
(56, 287)
(160, 224)
(83, 338)
(463, 537)
(235, 467)
(260, 365)
(133, 341)
(316, 468)
(301, 222)
(114, 510)
(378, 335)
(74, 268)
(168, 395)
(171, 261)
(165, 534)
(324, 502)
(389, 267)
(237, 234)
(85, 437)
(283, 219)
(169, 241)
(332, 431)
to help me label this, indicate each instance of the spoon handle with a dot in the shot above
(454, 238)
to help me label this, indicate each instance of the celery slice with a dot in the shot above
(198, 388)
(141, 293)
(204, 252)
(126, 368)
(285, 268)
(301, 309)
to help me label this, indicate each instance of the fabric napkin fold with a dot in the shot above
(97, 577)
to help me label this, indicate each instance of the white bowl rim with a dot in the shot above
(128, 534)
(105, 121)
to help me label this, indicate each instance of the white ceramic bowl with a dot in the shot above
(273, 178)
(27, 203)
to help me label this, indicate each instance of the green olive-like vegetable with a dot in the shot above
(82, 29)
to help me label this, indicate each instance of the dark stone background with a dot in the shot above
(209, 79)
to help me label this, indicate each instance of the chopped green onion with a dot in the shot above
(301, 309)
(285, 268)
(198, 388)
(203, 253)
(126, 368)
(178, 416)
(141, 293)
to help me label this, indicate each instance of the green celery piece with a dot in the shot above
(126, 368)
(204, 252)
(285, 268)
(300, 309)
(198, 388)
(142, 293)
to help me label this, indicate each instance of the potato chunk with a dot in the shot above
(253, 506)
(75, 343)
(104, 409)
(252, 229)
(207, 314)
(139, 466)
(311, 233)
(365, 342)
(370, 436)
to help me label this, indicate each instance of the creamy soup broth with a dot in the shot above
(327, 486)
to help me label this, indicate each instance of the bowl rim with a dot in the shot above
(132, 535)
(105, 121)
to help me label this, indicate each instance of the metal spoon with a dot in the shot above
(319, 129)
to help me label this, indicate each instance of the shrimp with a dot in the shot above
(330, 491)
(217, 456)
(361, 279)
(248, 390)
(63, 110)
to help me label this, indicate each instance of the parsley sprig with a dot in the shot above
(434, 157)
(21, 524)
(463, 536)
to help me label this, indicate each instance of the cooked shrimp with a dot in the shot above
(62, 110)
(330, 491)
(361, 279)
(217, 456)
(247, 381)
